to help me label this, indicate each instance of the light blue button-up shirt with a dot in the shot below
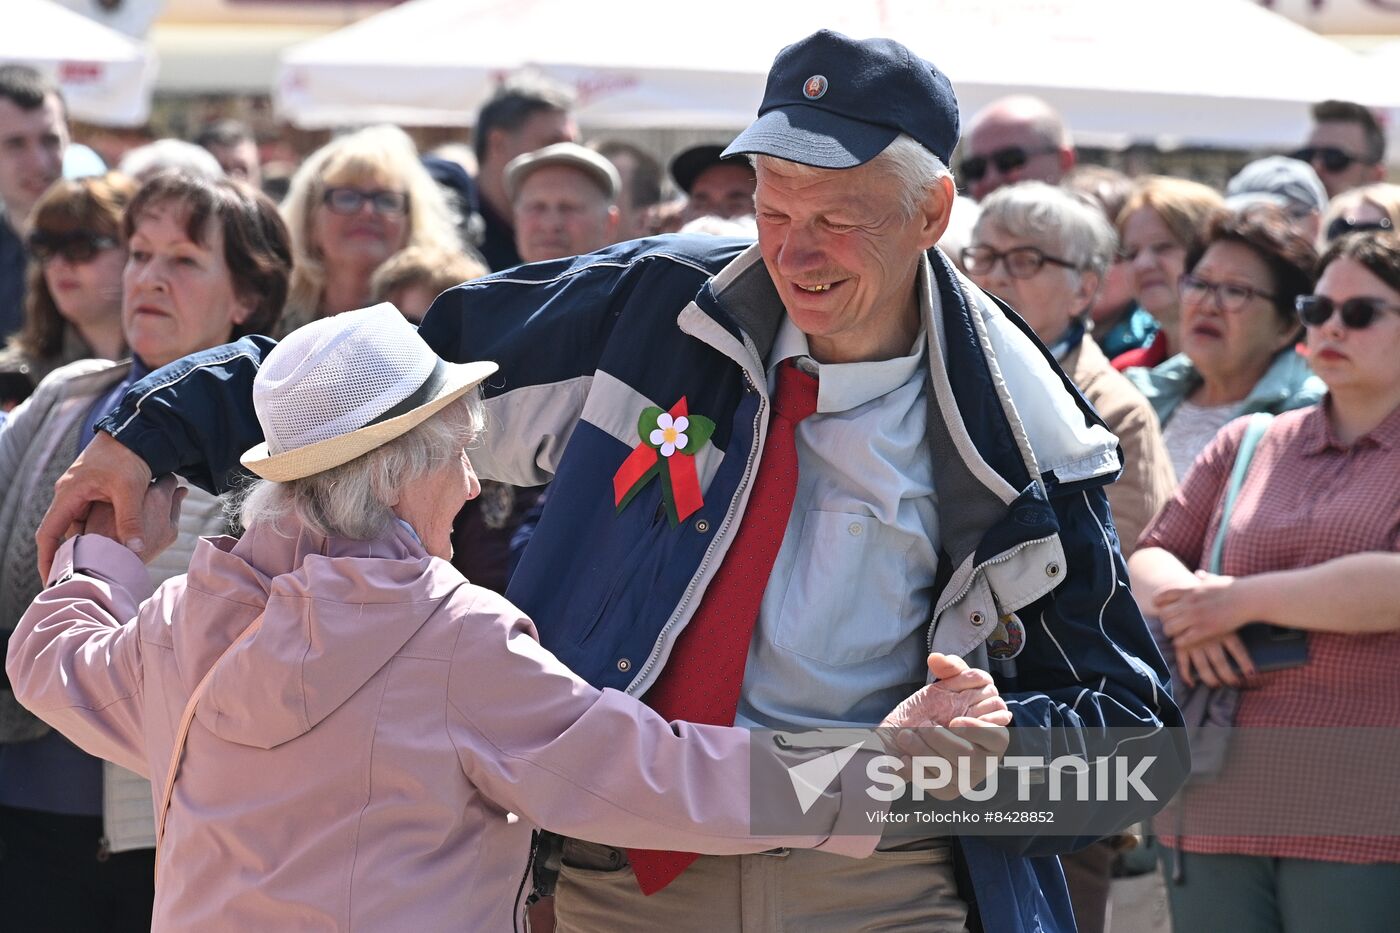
(841, 633)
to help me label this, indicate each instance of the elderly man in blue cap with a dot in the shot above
(790, 481)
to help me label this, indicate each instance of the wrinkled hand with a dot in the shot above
(1193, 616)
(960, 715)
(105, 472)
(1209, 663)
(160, 517)
(958, 692)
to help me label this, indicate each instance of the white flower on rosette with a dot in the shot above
(669, 433)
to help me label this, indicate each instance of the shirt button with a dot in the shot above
(624, 665)
(702, 526)
(856, 529)
(978, 618)
(1052, 569)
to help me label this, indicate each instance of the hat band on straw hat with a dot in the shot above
(424, 394)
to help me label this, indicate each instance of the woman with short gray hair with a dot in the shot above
(345, 733)
(1044, 251)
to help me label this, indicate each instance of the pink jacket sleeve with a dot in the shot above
(602, 766)
(74, 660)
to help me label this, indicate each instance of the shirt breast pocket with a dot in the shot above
(848, 593)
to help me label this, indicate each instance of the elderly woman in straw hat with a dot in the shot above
(335, 721)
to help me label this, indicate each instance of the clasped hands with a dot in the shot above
(159, 515)
(1202, 621)
(961, 715)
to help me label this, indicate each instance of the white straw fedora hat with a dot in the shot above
(344, 385)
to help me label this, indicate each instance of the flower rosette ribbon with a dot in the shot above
(669, 442)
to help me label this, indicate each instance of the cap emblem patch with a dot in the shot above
(814, 87)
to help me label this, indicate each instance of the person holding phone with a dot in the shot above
(1313, 544)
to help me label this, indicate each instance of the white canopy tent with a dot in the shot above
(1224, 72)
(105, 77)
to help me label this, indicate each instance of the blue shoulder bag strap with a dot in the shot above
(1258, 424)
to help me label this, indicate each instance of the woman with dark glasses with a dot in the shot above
(1236, 335)
(207, 262)
(73, 294)
(1312, 544)
(354, 203)
(1372, 207)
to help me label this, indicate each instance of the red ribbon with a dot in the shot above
(679, 468)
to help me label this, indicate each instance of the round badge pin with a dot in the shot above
(1007, 639)
(814, 87)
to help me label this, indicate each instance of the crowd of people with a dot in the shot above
(923, 344)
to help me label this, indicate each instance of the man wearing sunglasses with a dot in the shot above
(33, 135)
(1013, 139)
(1346, 146)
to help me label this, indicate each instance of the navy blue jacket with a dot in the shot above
(585, 343)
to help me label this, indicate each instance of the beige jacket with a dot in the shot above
(38, 442)
(1148, 479)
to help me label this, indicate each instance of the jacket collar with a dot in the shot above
(1286, 377)
(983, 450)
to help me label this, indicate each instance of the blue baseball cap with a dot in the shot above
(837, 102)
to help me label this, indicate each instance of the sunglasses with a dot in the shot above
(974, 168)
(352, 200)
(1021, 262)
(74, 247)
(1344, 225)
(1331, 158)
(1357, 313)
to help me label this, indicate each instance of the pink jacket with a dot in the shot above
(358, 763)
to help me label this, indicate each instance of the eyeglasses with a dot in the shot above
(1332, 158)
(352, 200)
(1022, 262)
(1344, 225)
(1228, 297)
(974, 168)
(1154, 250)
(74, 247)
(1357, 313)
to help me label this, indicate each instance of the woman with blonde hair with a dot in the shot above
(1164, 219)
(73, 294)
(1370, 207)
(354, 203)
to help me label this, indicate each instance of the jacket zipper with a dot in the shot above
(972, 578)
(724, 526)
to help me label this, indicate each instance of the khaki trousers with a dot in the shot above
(906, 887)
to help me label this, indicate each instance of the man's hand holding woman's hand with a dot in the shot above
(106, 472)
(159, 518)
(960, 715)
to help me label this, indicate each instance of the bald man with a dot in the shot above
(1013, 139)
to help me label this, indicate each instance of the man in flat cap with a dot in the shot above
(790, 482)
(564, 199)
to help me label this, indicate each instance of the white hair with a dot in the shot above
(145, 162)
(1063, 223)
(744, 226)
(354, 500)
(917, 169)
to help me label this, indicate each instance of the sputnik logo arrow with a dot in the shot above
(811, 778)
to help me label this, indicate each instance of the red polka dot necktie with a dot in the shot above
(702, 679)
